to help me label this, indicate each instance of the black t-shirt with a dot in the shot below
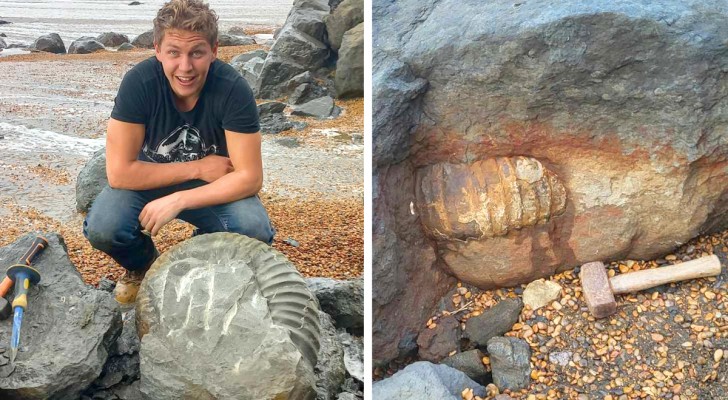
(226, 103)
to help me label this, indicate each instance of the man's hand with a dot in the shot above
(213, 167)
(159, 212)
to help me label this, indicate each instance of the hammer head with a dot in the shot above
(597, 291)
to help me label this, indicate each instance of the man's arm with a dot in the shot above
(244, 181)
(124, 141)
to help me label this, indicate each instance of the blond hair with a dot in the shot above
(188, 15)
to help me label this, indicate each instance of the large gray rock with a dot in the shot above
(234, 40)
(3, 44)
(85, 45)
(306, 92)
(238, 61)
(112, 39)
(51, 43)
(330, 368)
(342, 299)
(145, 40)
(347, 15)
(320, 108)
(495, 321)
(437, 343)
(68, 328)
(423, 380)
(353, 354)
(510, 359)
(350, 65)
(602, 94)
(126, 47)
(300, 46)
(91, 181)
(235, 308)
(250, 70)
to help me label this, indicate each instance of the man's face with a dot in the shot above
(186, 58)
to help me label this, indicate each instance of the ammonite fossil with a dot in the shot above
(487, 198)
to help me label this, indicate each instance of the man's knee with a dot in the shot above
(106, 231)
(255, 225)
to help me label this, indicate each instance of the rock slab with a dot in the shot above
(349, 78)
(424, 380)
(510, 359)
(495, 321)
(91, 181)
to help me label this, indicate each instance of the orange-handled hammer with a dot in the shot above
(39, 244)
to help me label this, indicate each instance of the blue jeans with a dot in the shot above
(112, 225)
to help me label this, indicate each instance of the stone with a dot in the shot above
(289, 142)
(342, 299)
(271, 107)
(495, 321)
(240, 309)
(330, 369)
(68, 328)
(349, 78)
(561, 358)
(85, 45)
(471, 363)
(264, 39)
(2, 22)
(91, 181)
(126, 47)
(145, 40)
(306, 92)
(347, 15)
(238, 61)
(424, 380)
(540, 293)
(320, 108)
(353, 354)
(277, 123)
(225, 40)
(135, 3)
(3, 45)
(112, 39)
(592, 108)
(436, 344)
(250, 70)
(51, 43)
(510, 362)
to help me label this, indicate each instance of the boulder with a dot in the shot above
(2, 22)
(250, 70)
(540, 293)
(112, 39)
(91, 181)
(493, 322)
(320, 108)
(68, 328)
(273, 107)
(126, 47)
(510, 359)
(232, 40)
(424, 380)
(471, 363)
(347, 15)
(614, 118)
(264, 39)
(350, 65)
(330, 369)
(144, 41)
(85, 45)
(306, 92)
(437, 343)
(51, 43)
(342, 299)
(353, 354)
(238, 61)
(3, 44)
(242, 312)
(300, 46)
(277, 123)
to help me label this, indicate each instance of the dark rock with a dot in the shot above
(423, 380)
(51, 43)
(126, 47)
(290, 142)
(107, 285)
(495, 321)
(85, 45)
(333, 4)
(250, 70)
(145, 40)
(128, 342)
(134, 3)
(3, 44)
(238, 61)
(510, 362)
(112, 39)
(4, 22)
(271, 107)
(68, 327)
(3, 35)
(330, 370)
(240, 308)
(350, 65)
(347, 15)
(469, 362)
(18, 46)
(306, 92)
(320, 108)
(230, 40)
(237, 31)
(277, 123)
(342, 299)
(436, 344)
(91, 181)
(353, 354)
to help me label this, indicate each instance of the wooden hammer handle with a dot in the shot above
(649, 278)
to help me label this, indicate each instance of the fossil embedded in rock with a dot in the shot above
(487, 198)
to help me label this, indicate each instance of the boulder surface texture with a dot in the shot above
(51, 43)
(145, 40)
(623, 104)
(68, 328)
(350, 65)
(424, 380)
(91, 181)
(225, 316)
(85, 45)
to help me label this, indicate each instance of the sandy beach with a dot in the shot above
(54, 109)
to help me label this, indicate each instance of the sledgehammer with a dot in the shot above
(599, 289)
(38, 245)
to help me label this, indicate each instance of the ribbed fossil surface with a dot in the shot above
(487, 198)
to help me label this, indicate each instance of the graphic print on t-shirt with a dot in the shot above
(184, 144)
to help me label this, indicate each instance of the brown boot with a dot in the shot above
(128, 286)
